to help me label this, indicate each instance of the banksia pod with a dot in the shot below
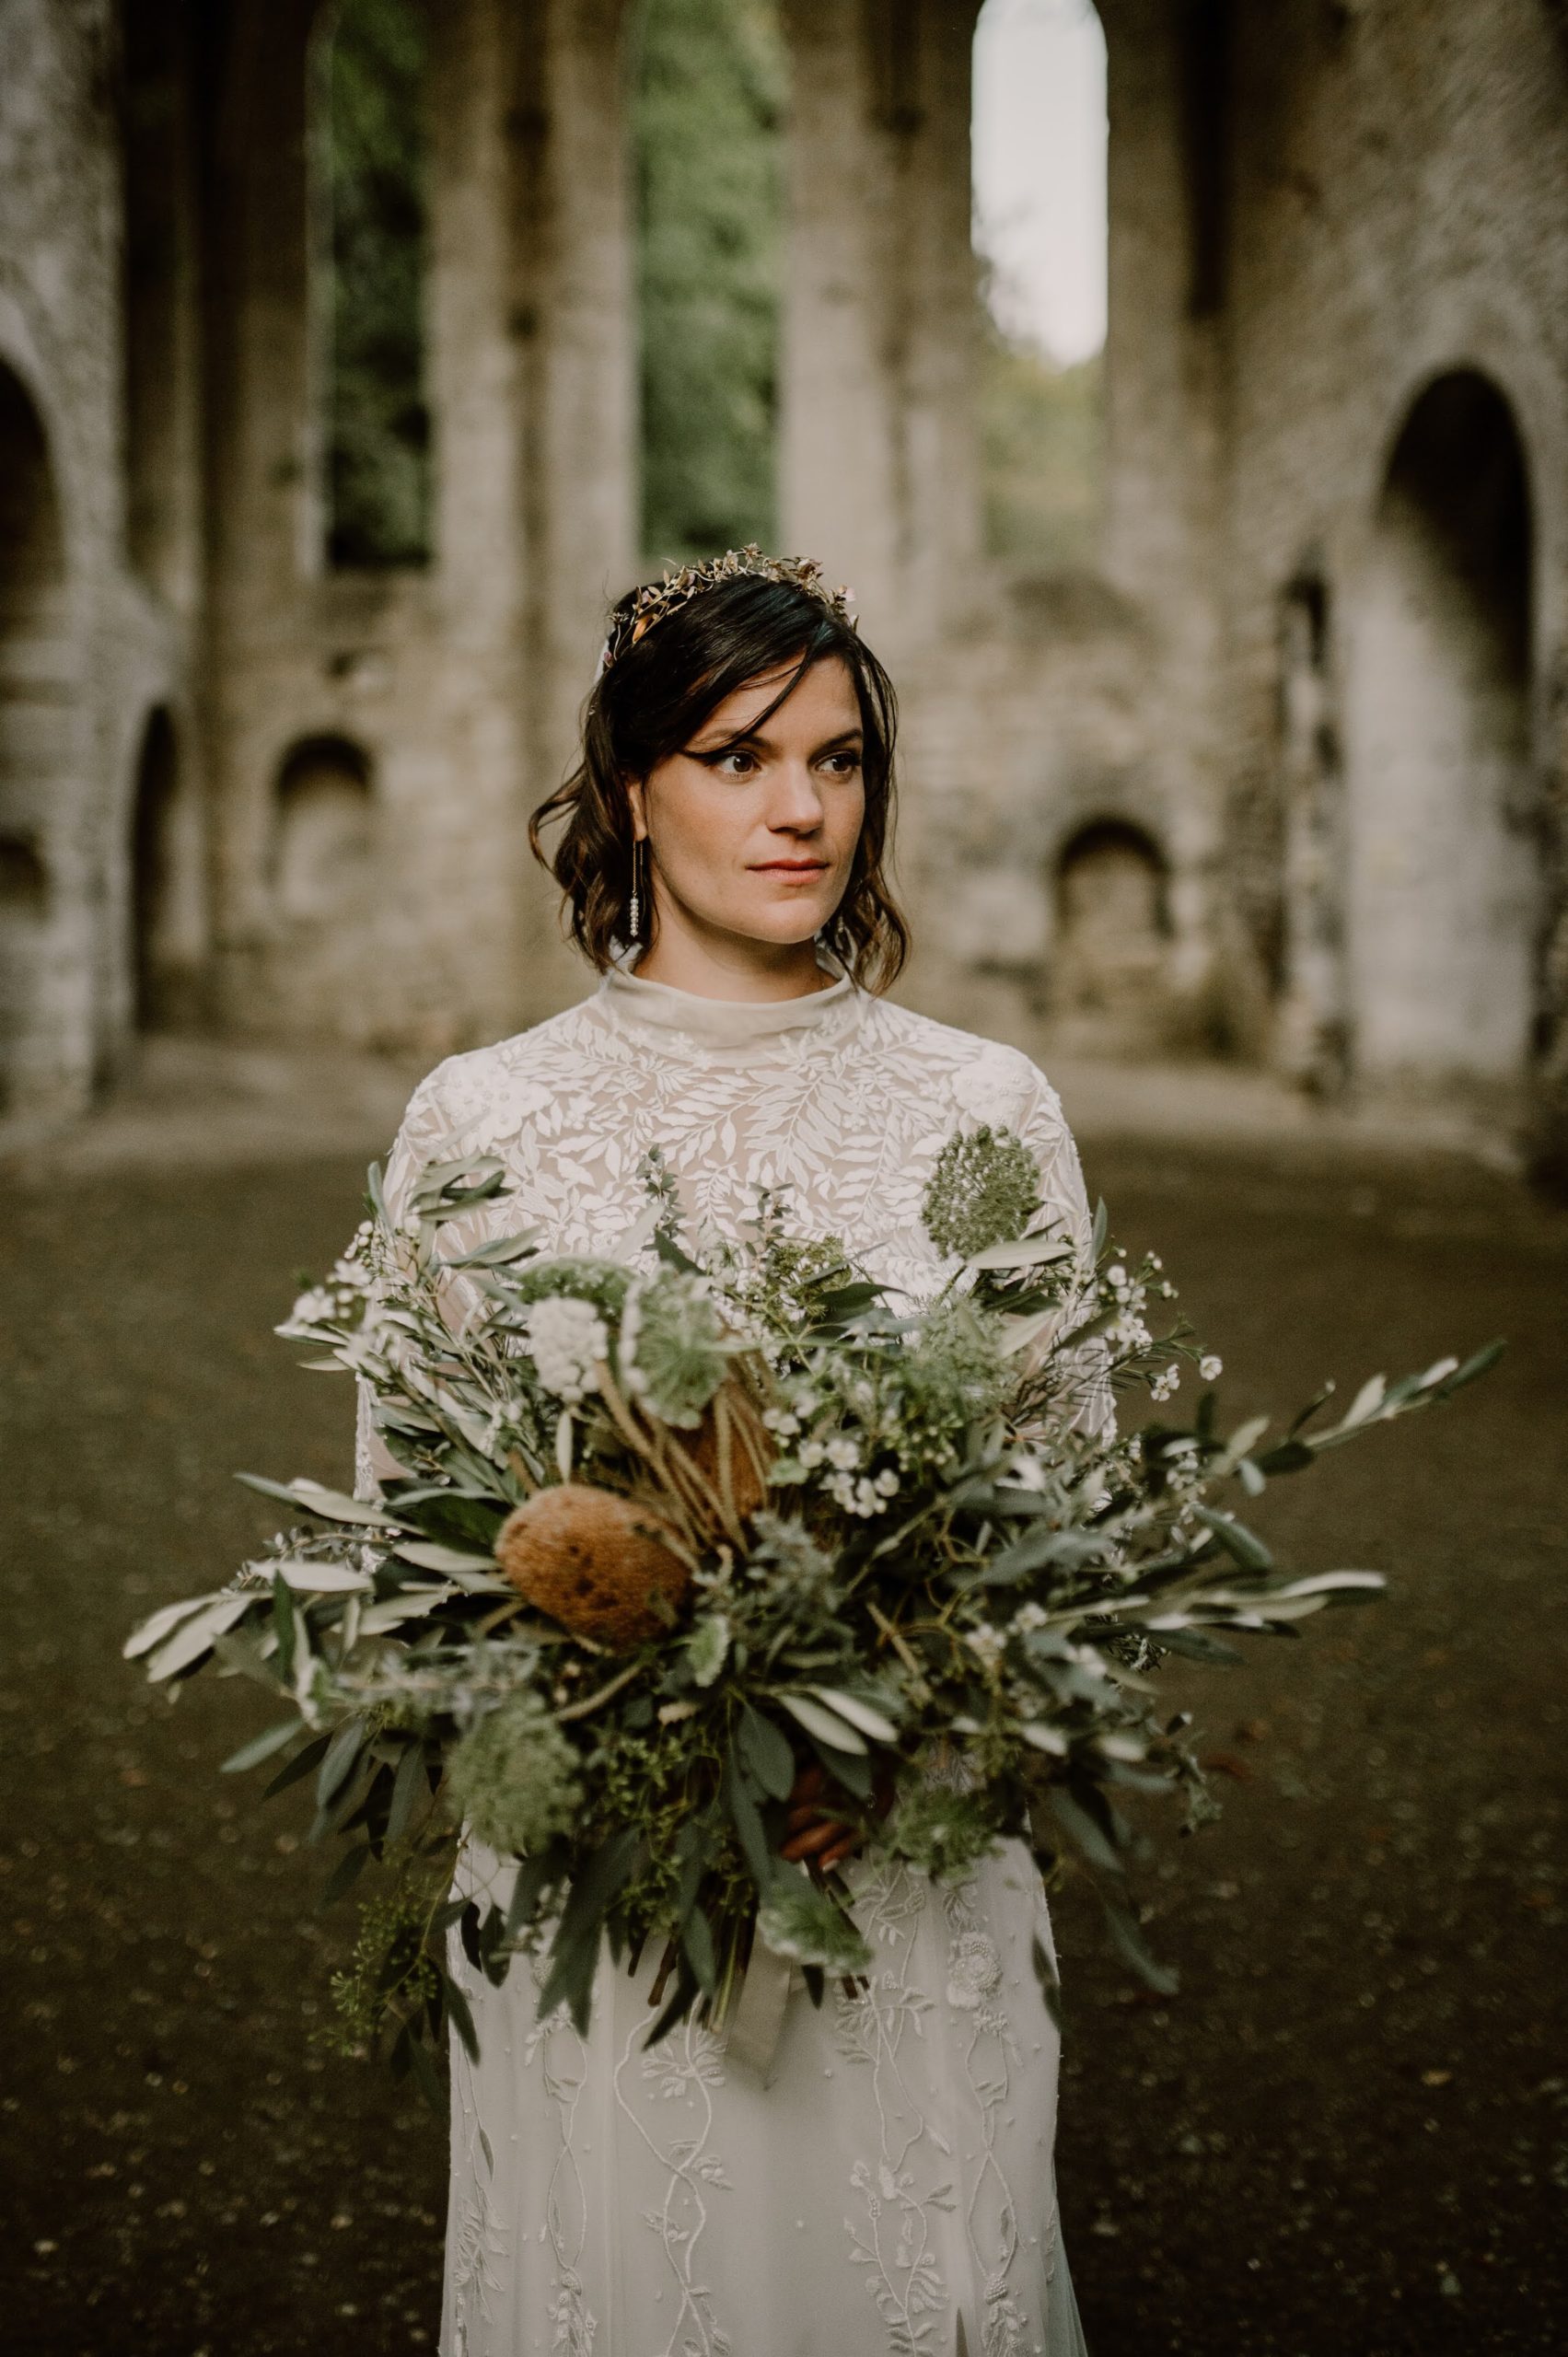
(593, 1562)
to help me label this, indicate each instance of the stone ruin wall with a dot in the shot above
(1316, 210)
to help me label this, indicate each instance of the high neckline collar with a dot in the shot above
(728, 1022)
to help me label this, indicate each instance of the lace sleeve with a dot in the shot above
(419, 1140)
(1061, 1184)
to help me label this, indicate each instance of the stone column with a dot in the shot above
(263, 503)
(1165, 356)
(573, 316)
(877, 470)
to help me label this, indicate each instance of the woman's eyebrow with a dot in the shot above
(747, 736)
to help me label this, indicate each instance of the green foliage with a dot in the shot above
(708, 86)
(1041, 455)
(389, 1969)
(514, 1776)
(956, 1623)
(983, 1190)
(372, 95)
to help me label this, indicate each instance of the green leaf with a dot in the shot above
(1089, 1836)
(195, 1635)
(346, 1873)
(1102, 1229)
(1285, 1457)
(1045, 1973)
(575, 1950)
(1242, 1545)
(747, 1818)
(1479, 1365)
(825, 1725)
(300, 1765)
(283, 1622)
(499, 1253)
(408, 1785)
(150, 1631)
(331, 1505)
(425, 2074)
(697, 1939)
(459, 2011)
(680, 2004)
(1124, 1929)
(527, 1890)
(860, 1715)
(765, 1753)
(308, 1578)
(261, 1747)
(338, 1765)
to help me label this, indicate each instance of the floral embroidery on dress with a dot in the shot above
(974, 1970)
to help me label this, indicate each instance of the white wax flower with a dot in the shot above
(567, 1338)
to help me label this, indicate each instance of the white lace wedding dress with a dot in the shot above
(885, 2183)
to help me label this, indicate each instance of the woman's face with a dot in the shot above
(751, 836)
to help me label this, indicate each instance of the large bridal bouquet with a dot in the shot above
(687, 1543)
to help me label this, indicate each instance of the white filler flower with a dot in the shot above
(566, 1338)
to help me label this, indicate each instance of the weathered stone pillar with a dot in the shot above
(878, 463)
(1167, 99)
(574, 314)
(263, 521)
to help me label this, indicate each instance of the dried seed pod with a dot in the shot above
(593, 1562)
(732, 1442)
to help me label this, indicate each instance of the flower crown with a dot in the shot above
(656, 599)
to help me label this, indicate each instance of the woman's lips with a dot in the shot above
(801, 868)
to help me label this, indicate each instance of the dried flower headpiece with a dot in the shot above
(656, 599)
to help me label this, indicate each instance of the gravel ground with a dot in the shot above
(1348, 2136)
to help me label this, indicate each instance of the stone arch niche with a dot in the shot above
(1111, 965)
(36, 716)
(321, 873)
(323, 829)
(1442, 887)
(166, 938)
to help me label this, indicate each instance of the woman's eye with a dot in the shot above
(725, 759)
(843, 764)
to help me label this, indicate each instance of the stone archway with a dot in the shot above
(1111, 967)
(166, 903)
(322, 868)
(322, 843)
(1441, 878)
(36, 715)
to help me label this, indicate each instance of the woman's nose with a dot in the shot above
(794, 802)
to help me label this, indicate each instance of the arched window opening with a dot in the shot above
(1111, 967)
(24, 885)
(325, 826)
(370, 203)
(708, 90)
(35, 727)
(165, 883)
(1039, 146)
(1442, 882)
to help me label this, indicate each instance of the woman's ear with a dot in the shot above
(636, 799)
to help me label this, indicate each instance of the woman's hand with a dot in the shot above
(821, 1827)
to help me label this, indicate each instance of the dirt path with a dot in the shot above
(1348, 2137)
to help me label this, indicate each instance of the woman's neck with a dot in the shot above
(730, 966)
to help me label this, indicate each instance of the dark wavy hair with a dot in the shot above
(651, 701)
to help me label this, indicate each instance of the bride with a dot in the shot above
(874, 2176)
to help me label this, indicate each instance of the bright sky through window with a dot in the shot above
(1039, 142)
